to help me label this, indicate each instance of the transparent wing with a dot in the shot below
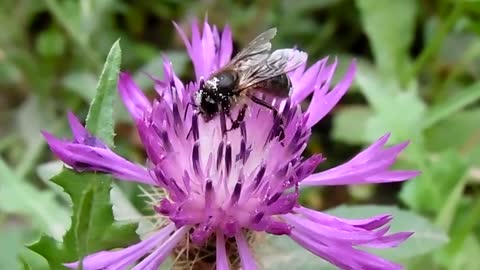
(256, 51)
(277, 63)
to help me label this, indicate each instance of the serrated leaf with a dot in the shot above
(93, 225)
(20, 197)
(100, 115)
(124, 211)
(425, 239)
(389, 26)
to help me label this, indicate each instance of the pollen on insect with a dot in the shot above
(212, 83)
(198, 97)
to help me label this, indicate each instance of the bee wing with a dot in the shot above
(255, 52)
(277, 63)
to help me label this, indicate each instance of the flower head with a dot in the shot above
(222, 187)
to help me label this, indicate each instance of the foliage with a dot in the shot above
(417, 78)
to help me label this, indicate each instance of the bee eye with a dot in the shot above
(226, 80)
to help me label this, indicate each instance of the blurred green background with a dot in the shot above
(419, 65)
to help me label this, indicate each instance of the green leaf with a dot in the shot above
(402, 117)
(390, 27)
(425, 239)
(34, 115)
(32, 260)
(466, 221)
(427, 192)
(100, 115)
(463, 258)
(281, 252)
(20, 197)
(10, 248)
(31, 118)
(125, 211)
(81, 83)
(452, 105)
(463, 126)
(93, 225)
(350, 124)
(396, 110)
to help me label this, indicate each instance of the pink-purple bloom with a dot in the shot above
(222, 187)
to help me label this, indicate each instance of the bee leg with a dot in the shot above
(261, 102)
(241, 115)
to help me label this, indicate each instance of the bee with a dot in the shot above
(255, 69)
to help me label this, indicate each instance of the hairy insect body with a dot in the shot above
(254, 69)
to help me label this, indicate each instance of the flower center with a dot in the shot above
(233, 179)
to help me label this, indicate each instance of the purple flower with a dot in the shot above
(223, 188)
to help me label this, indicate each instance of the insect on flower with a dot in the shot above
(254, 69)
(212, 194)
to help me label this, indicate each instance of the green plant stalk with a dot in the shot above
(470, 54)
(446, 215)
(436, 42)
(419, 157)
(466, 227)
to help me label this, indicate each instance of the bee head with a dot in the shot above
(205, 98)
(214, 94)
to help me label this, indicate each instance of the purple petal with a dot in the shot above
(81, 134)
(126, 256)
(322, 102)
(343, 256)
(341, 234)
(389, 241)
(226, 46)
(85, 157)
(246, 257)
(132, 96)
(305, 84)
(208, 45)
(322, 218)
(207, 51)
(156, 258)
(221, 253)
(170, 84)
(369, 166)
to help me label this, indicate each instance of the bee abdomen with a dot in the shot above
(278, 86)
